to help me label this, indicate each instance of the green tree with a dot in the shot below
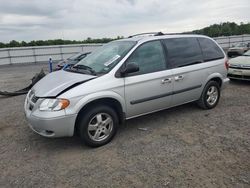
(215, 30)
(14, 43)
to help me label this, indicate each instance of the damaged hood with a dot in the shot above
(56, 82)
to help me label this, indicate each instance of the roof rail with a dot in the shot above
(174, 33)
(149, 33)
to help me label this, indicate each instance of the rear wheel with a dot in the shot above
(98, 125)
(210, 95)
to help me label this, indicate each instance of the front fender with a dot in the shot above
(95, 96)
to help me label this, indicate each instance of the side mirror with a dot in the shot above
(130, 68)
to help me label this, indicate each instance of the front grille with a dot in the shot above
(34, 99)
(234, 76)
(240, 67)
(243, 77)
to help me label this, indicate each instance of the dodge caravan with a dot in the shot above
(124, 79)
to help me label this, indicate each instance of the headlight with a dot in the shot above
(53, 104)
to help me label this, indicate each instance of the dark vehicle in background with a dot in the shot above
(72, 60)
(238, 49)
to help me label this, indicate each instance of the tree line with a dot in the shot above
(215, 30)
(224, 29)
(89, 40)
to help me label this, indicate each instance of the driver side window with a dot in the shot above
(149, 57)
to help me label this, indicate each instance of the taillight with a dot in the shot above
(226, 64)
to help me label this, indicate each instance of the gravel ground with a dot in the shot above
(181, 147)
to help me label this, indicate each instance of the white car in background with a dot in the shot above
(239, 67)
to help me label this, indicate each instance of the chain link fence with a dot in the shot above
(41, 54)
(229, 41)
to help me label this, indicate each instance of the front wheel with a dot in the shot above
(210, 95)
(98, 125)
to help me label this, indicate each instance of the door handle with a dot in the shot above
(180, 77)
(166, 80)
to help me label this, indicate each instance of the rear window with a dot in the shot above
(183, 51)
(210, 50)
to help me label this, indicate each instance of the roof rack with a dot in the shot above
(149, 33)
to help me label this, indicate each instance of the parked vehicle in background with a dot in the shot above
(125, 79)
(238, 49)
(72, 60)
(239, 67)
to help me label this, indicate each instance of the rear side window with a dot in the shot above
(210, 50)
(183, 51)
(149, 57)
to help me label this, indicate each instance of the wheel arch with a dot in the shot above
(202, 102)
(218, 80)
(108, 101)
(215, 77)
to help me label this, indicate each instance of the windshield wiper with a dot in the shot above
(85, 67)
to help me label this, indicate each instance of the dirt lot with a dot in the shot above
(182, 147)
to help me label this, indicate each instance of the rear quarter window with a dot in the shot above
(210, 50)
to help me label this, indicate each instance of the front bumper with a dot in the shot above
(52, 127)
(48, 124)
(239, 74)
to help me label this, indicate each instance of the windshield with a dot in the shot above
(247, 53)
(75, 56)
(240, 45)
(106, 57)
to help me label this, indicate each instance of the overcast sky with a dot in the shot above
(78, 19)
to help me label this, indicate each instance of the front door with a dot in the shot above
(150, 89)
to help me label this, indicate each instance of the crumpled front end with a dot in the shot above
(48, 124)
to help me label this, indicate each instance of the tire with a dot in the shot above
(97, 126)
(212, 90)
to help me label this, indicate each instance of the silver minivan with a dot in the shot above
(124, 79)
